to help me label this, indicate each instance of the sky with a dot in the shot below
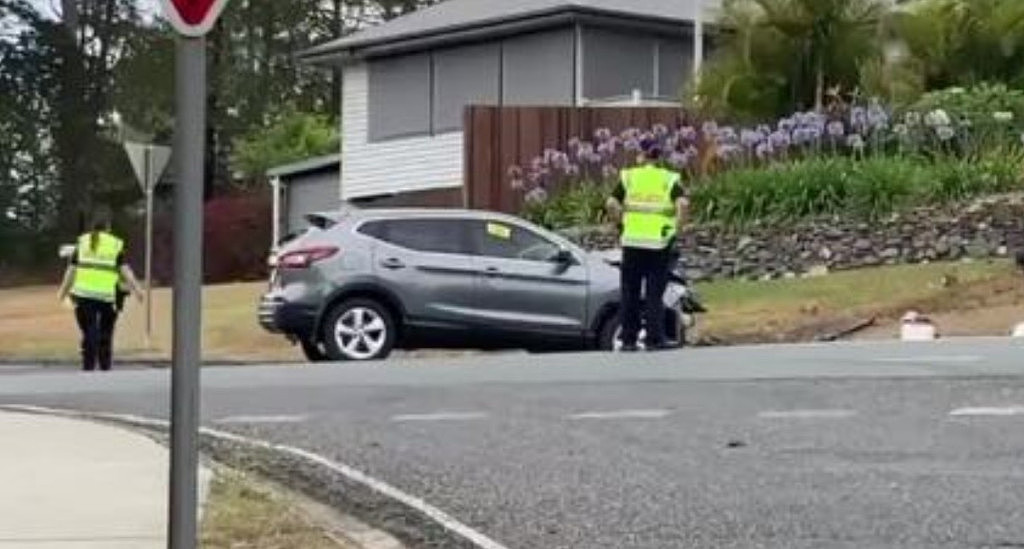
(51, 8)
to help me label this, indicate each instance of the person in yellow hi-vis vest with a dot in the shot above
(94, 279)
(650, 205)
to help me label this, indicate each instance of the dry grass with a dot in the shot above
(989, 294)
(243, 515)
(35, 326)
(981, 298)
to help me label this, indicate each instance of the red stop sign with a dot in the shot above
(193, 17)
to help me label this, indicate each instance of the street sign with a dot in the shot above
(193, 17)
(149, 163)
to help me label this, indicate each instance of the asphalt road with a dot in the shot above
(844, 446)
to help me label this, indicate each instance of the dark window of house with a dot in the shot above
(446, 236)
(616, 63)
(675, 63)
(507, 241)
(464, 76)
(399, 97)
(538, 69)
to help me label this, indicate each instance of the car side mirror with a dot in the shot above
(562, 257)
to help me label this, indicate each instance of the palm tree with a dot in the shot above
(787, 52)
(962, 42)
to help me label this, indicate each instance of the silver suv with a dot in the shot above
(360, 283)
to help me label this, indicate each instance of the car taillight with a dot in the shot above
(302, 259)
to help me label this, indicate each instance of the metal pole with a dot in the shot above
(190, 116)
(149, 183)
(698, 39)
(149, 268)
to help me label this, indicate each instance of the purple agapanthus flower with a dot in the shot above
(727, 134)
(787, 124)
(751, 138)
(858, 118)
(660, 130)
(602, 134)
(678, 160)
(631, 145)
(945, 133)
(878, 118)
(537, 196)
(687, 134)
(764, 150)
(836, 129)
(780, 140)
(728, 151)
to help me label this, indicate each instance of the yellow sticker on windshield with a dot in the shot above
(499, 231)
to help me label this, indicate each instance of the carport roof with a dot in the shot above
(305, 166)
(484, 17)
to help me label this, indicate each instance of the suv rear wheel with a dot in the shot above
(359, 329)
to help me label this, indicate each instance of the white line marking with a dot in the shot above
(440, 416)
(450, 523)
(954, 359)
(988, 411)
(261, 419)
(622, 414)
(807, 414)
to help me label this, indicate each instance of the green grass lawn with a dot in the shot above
(34, 326)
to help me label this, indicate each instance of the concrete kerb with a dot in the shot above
(372, 504)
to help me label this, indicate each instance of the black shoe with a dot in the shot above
(628, 348)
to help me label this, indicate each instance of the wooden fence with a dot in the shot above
(497, 138)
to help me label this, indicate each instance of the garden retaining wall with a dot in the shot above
(989, 228)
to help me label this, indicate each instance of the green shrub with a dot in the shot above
(577, 204)
(867, 189)
(978, 103)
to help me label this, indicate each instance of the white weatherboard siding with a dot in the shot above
(396, 165)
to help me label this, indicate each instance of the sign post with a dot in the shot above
(192, 19)
(149, 162)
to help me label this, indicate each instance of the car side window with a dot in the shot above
(508, 241)
(445, 236)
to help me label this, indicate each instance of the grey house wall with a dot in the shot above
(617, 61)
(424, 94)
(308, 193)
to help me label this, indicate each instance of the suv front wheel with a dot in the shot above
(359, 329)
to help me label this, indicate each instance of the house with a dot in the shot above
(300, 188)
(406, 82)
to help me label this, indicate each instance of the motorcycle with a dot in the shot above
(682, 305)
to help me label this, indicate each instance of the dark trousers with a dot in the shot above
(96, 320)
(644, 273)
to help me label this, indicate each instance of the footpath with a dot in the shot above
(70, 484)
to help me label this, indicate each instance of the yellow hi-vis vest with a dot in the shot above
(649, 221)
(97, 274)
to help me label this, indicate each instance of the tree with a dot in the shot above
(782, 55)
(964, 42)
(292, 137)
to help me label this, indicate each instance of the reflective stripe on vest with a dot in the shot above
(649, 221)
(96, 274)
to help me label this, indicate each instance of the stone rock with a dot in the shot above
(863, 245)
(890, 253)
(817, 271)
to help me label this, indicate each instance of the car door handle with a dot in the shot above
(492, 271)
(392, 263)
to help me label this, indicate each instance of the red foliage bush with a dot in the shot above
(236, 240)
